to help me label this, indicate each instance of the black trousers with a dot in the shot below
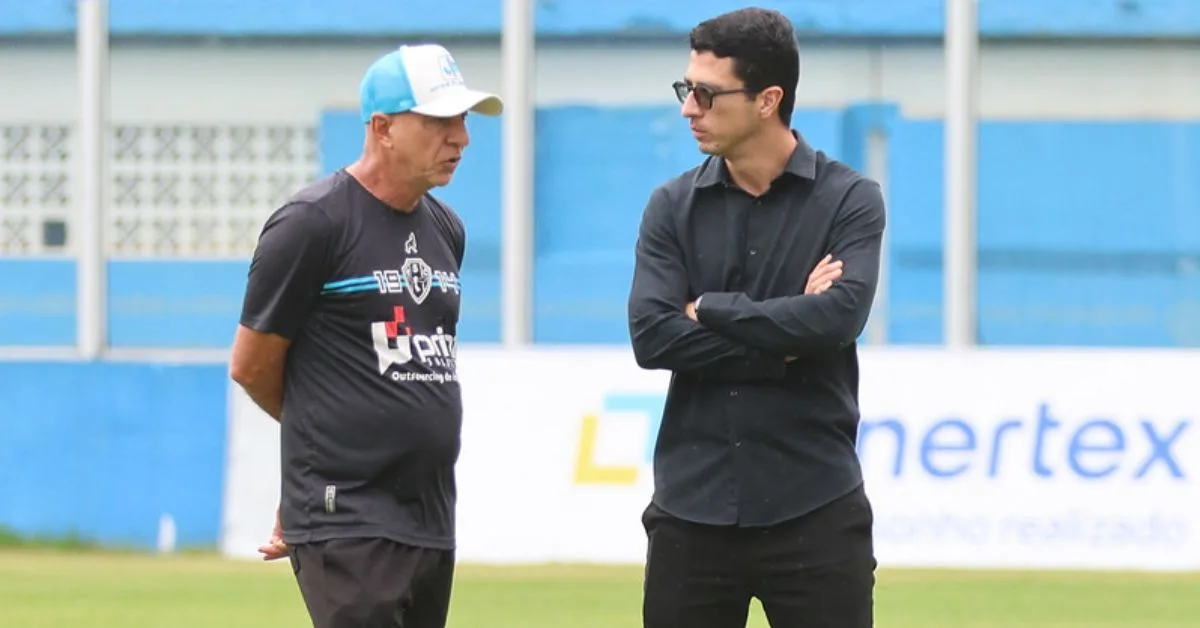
(817, 571)
(373, 583)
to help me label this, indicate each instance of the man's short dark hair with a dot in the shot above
(764, 49)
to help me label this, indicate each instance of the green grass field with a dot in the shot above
(106, 590)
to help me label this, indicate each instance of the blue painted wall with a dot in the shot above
(37, 302)
(565, 18)
(1089, 233)
(103, 450)
(151, 304)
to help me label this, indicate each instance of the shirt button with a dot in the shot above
(754, 251)
(733, 393)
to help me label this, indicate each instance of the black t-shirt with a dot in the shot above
(372, 411)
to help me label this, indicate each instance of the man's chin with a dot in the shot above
(708, 148)
(441, 180)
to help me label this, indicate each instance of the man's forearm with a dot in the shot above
(257, 364)
(267, 395)
(795, 325)
(673, 342)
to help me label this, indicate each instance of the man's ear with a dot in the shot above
(769, 100)
(380, 127)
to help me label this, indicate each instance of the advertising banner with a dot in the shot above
(1079, 459)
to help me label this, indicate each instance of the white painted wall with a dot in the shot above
(289, 84)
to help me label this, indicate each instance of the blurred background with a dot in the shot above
(1041, 164)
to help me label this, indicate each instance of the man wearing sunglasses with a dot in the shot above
(755, 273)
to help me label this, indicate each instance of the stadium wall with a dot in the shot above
(829, 18)
(104, 451)
(991, 458)
(1060, 262)
(1068, 254)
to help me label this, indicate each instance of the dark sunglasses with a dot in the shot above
(703, 94)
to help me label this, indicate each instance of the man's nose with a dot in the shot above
(459, 136)
(689, 108)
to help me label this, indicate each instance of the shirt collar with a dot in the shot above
(802, 163)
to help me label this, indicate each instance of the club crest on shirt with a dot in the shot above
(414, 276)
(419, 276)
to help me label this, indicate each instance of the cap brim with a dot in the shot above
(459, 101)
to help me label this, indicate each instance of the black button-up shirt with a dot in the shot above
(746, 437)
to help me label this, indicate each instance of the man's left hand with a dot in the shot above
(275, 548)
(690, 310)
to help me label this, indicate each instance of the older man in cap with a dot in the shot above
(347, 338)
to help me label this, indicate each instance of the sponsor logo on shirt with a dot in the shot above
(395, 345)
(394, 342)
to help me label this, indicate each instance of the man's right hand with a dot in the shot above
(275, 548)
(821, 279)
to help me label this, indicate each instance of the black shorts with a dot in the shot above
(817, 571)
(373, 583)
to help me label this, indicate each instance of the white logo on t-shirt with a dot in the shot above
(395, 344)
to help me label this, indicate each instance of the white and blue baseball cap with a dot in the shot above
(424, 79)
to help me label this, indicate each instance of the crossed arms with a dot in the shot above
(731, 336)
